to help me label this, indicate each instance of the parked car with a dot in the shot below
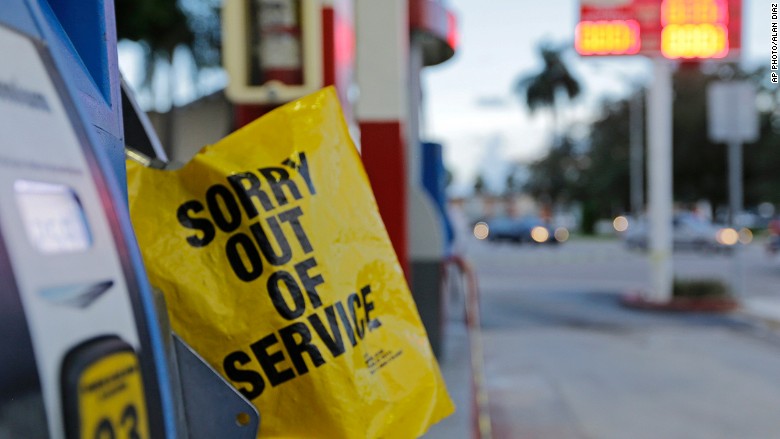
(526, 229)
(773, 244)
(688, 232)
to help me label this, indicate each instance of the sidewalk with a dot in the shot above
(462, 358)
(764, 309)
(574, 364)
(455, 363)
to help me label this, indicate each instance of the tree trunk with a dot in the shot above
(556, 143)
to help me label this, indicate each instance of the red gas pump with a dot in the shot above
(276, 51)
(276, 46)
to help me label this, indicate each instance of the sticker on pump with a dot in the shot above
(103, 392)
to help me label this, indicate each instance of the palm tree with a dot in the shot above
(162, 27)
(543, 89)
(479, 185)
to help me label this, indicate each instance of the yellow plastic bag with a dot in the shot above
(277, 269)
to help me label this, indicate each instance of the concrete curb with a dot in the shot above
(481, 422)
(760, 309)
(680, 304)
(763, 309)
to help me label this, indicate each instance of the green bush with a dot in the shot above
(700, 288)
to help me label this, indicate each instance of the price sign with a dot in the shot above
(618, 27)
(688, 29)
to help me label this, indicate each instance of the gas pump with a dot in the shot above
(271, 50)
(89, 362)
(276, 51)
(82, 353)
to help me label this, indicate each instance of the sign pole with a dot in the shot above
(735, 180)
(732, 119)
(735, 207)
(659, 167)
(636, 154)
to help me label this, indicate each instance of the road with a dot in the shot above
(605, 264)
(564, 360)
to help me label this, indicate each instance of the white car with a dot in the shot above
(688, 232)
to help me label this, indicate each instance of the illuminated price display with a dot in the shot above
(694, 11)
(618, 27)
(607, 37)
(694, 28)
(702, 40)
(688, 29)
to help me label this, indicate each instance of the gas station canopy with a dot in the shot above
(435, 24)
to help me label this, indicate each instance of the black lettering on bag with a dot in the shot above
(310, 283)
(273, 258)
(233, 248)
(360, 325)
(296, 348)
(247, 193)
(303, 167)
(250, 377)
(279, 179)
(226, 221)
(277, 296)
(332, 339)
(347, 323)
(291, 216)
(202, 224)
(369, 306)
(268, 361)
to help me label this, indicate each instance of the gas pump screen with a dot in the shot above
(53, 217)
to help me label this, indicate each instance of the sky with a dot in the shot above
(468, 102)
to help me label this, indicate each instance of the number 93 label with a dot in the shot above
(110, 399)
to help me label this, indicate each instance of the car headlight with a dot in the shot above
(561, 234)
(745, 236)
(620, 223)
(481, 230)
(727, 236)
(540, 234)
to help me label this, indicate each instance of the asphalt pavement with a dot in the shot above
(563, 359)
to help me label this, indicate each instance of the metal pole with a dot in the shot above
(659, 140)
(636, 154)
(735, 181)
(735, 207)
